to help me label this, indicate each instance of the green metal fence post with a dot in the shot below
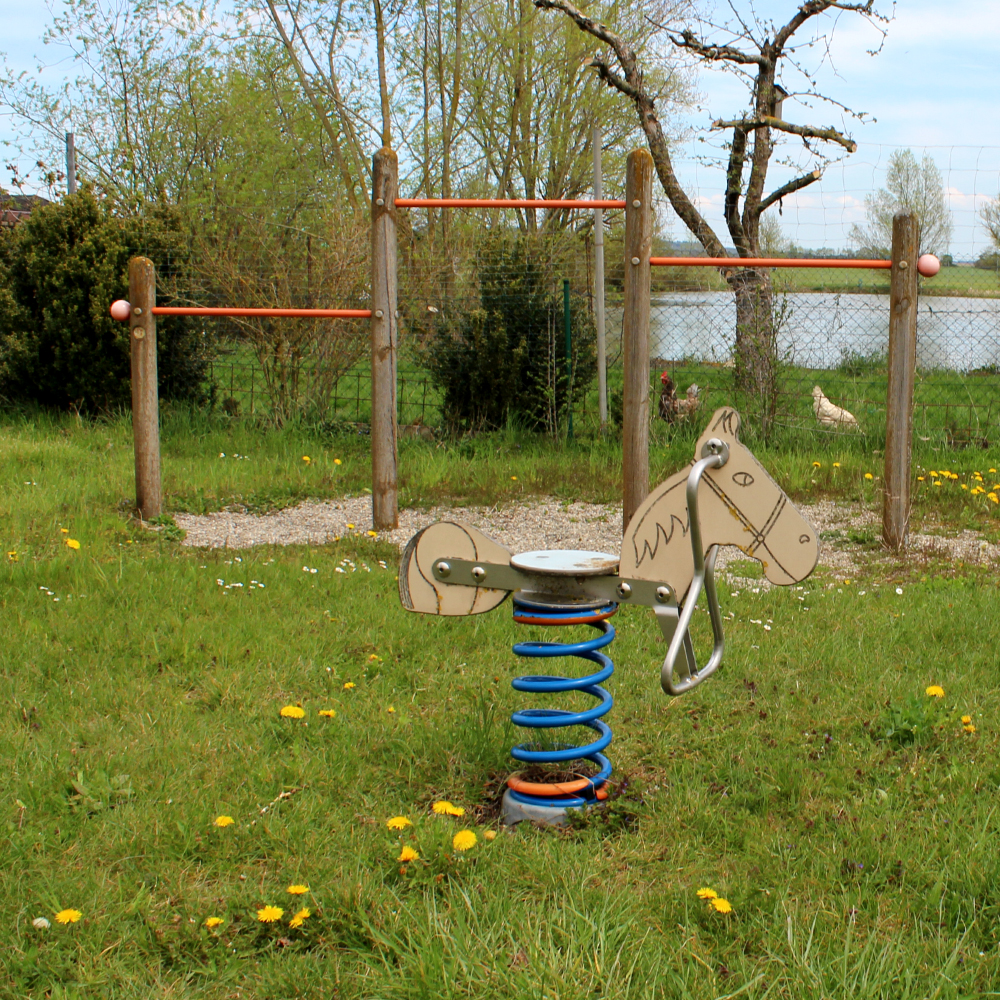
(569, 358)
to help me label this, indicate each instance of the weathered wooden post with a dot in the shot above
(145, 398)
(384, 432)
(902, 375)
(635, 331)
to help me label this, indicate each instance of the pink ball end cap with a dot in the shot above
(121, 310)
(928, 265)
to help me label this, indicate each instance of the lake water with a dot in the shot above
(820, 328)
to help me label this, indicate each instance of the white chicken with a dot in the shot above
(829, 414)
(688, 406)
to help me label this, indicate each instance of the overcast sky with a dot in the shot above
(934, 87)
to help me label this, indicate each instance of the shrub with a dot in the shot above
(59, 273)
(506, 359)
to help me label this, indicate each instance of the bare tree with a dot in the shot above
(909, 187)
(755, 51)
(990, 214)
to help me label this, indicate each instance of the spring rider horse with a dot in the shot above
(668, 556)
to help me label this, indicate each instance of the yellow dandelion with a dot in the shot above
(297, 890)
(489, 835)
(408, 854)
(836, 465)
(993, 497)
(350, 527)
(920, 479)
(970, 729)
(68, 916)
(964, 486)
(514, 478)
(933, 472)
(65, 531)
(817, 465)
(221, 821)
(72, 543)
(966, 719)
(391, 710)
(398, 823)
(721, 905)
(868, 475)
(935, 691)
(304, 914)
(327, 713)
(707, 893)
(463, 840)
(937, 482)
(348, 685)
(306, 459)
(337, 461)
(372, 657)
(292, 712)
(269, 914)
(212, 922)
(445, 808)
(12, 555)
(373, 534)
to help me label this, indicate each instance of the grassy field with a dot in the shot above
(849, 818)
(962, 280)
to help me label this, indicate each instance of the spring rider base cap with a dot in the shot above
(513, 811)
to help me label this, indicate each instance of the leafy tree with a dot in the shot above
(909, 187)
(506, 360)
(59, 273)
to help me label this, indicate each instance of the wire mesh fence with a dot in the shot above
(482, 333)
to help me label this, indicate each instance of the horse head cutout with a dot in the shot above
(739, 504)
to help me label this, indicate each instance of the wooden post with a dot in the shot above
(635, 331)
(145, 397)
(902, 375)
(384, 432)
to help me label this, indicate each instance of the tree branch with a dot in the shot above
(807, 131)
(714, 53)
(734, 187)
(630, 83)
(792, 186)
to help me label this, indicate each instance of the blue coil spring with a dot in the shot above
(596, 615)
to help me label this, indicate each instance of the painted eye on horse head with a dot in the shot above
(803, 539)
(742, 478)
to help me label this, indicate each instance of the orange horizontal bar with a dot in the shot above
(232, 311)
(505, 203)
(765, 262)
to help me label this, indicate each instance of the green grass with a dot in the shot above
(144, 703)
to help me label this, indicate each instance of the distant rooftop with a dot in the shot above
(15, 208)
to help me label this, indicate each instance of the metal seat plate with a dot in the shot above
(566, 562)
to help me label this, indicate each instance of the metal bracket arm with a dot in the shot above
(466, 573)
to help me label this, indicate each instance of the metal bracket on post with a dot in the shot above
(675, 621)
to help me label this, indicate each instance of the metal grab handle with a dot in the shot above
(674, 621)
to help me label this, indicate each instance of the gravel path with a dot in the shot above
(546, 524)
